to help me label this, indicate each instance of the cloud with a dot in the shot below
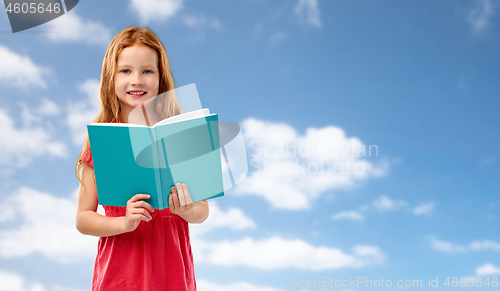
(272, 253)
(485, 245)
(157, 10)
(72, 28)
(384, 204)
(487, 270)
(14, 282)
(47, 227)
(447, 247)
(232, 218)
(83, 112)
(204, 285)
(479, 17)
(308, 12)
(30, 116)
(22, 72)
(424, 209)
(451, 248)
(277, 253)
(291, 170)
(201, 21)
(352, 215)
(47, 107)
(20, 146)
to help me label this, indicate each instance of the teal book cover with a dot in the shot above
(133, 159)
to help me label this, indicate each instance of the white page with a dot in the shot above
(184, 116)
(173, 119)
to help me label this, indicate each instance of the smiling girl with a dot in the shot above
(139, 248)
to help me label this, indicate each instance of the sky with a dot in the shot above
(371, 130)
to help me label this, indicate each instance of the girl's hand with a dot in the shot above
(136, 211)
(180, 201)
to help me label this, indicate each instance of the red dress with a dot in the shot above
(155, 256)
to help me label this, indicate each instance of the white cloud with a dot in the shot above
(47, 227)
(20, 146)
(308, 12)
(14, 282)
(277, 253)
(352, 215)
(485, 245)
(204, 285)
(424, 209)
(385, 204)
(291, 170)
(72, 28)
(450, 247)
(272, 253)
(487, 270)
(22, 71)
(83, 112)
(447, 247)
(479, 17)
(201, 21)
(47, 107)
(232, 218)
(157, 10)
(30, 116)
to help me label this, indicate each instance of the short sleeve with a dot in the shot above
(87, 156)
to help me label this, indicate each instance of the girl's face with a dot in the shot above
(137, 76)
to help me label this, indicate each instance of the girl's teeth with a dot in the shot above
(134, 93)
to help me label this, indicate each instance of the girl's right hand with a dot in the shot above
(136, 211)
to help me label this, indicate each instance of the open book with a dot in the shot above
(133, 159)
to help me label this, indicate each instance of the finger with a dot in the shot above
(171, 202)
(142, 217)
(175, 197)
(142, 211)
(138, 197)
(181, 194)
(171, 198)
(186, 194)
(143, 204)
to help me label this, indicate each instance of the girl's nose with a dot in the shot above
(137, 79)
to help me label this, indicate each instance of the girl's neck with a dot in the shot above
(138, 116)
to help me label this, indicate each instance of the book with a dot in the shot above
(134, 159)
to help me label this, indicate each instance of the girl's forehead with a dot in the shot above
(137, 53)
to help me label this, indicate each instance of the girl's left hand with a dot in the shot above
(179, 200)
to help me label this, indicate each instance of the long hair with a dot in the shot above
(165, 105)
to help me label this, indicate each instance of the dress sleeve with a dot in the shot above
(87, 156)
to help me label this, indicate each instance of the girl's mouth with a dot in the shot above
(136, 94)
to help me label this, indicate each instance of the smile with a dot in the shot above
(137, 94)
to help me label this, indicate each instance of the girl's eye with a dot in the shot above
(125, 71)
(149, 71)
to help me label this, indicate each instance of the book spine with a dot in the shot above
(156, 162)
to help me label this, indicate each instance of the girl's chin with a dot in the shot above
(137, 96)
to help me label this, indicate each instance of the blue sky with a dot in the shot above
(416, 79)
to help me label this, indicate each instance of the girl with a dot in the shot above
(139, 248)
